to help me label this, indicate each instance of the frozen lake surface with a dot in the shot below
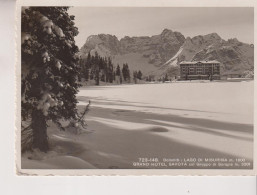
(204, 119)
(182, 120)
(225, 101)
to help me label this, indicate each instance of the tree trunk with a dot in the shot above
(39, 128)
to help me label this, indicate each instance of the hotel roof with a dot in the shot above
(196, 62)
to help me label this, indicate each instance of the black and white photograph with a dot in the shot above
(135, 88)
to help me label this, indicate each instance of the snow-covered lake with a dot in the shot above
(225, 101)
(171, 120)
(183, 119)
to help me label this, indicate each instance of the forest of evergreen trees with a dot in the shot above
(97, 68)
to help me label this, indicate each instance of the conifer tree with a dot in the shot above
(114, 75)
(139, 75)
(118, 70)
(96, 68)
(120, 79)
(110, 70)
(49, 72)
(166, 77)
(135, 76)
(126, 72)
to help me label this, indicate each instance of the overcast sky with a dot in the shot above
(227, 22)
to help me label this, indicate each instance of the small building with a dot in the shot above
(200, 70)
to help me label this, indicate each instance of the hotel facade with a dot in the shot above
(200, 70)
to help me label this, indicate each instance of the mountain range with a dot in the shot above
(155, 55)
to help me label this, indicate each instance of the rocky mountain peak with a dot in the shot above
(156, 54)
(169, 35)
(101, 42)
(212, 36)
(166, 31)
(233, 40)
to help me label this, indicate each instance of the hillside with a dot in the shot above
(159, 53)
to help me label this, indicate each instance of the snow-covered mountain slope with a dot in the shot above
(159, 53)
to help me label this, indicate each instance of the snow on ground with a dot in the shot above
(173, 61)
(64, 146)
(170, 120)
(224, 101)
(56, 162)
(215, 116)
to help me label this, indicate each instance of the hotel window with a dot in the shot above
(191, 70)
(199, 71)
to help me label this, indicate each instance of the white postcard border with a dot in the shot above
(122, 172)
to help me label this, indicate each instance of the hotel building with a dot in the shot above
(200, 70)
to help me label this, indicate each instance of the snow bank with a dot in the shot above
(64, 145)
(59, 162)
